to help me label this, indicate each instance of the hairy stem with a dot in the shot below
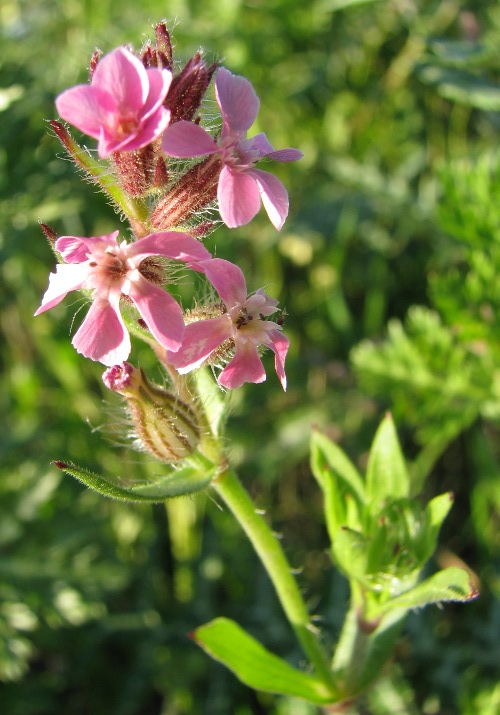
(269, 550)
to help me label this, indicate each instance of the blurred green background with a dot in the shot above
(388, 268)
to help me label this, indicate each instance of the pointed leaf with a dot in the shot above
(387, 476)
(451, 584)
(340, 481)
(255, 666)
(349, 553)
(154, 492)
(337, 460)
(436, 511)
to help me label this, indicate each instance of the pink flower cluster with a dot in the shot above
(126, 108)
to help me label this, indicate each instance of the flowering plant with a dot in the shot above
(142, 112)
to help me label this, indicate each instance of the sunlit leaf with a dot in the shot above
(386, 475)
(340, 482)
(451, 584)
(254, 665)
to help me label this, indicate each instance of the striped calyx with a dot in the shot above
(164, 425)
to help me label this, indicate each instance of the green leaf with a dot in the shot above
(386, 476)
(255, 666)
(184, 481)
(340, 482)
(350, 552)
(461, 53)
(436, 512)
(451, 584)
(463, 87)
(342, 4)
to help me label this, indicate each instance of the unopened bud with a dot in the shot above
(161, 173)
(165, 426)
(94, 60)
(194, 191)
(188, 88)
(136, 169)
(49, 233)
(163, 41)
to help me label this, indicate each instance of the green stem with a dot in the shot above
(273, 558)
(135, 209)
(349, 655)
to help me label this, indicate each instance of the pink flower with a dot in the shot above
(111, 269)
(241, 187)
(243, 322)
(123, 105)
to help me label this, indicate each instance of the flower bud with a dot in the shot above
(194, 191)
(164, 425)
(188, 88)
(160, 54)
(49, 232)
(136, 169)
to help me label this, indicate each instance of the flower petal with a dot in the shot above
(246, 366)
(227, 279)
(86, 108)
(171, 244)
(279, 345)
(237, 100)
(200, 340)
(160, 312)
(75, 249)
(259, 144)
(185, 139)
(274, 196)
(67, 277)
(159, 83)
(285, 155)
(124, 76)
(146, 133)
(239, 198)
(102, 336)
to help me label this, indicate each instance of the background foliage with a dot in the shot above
(388, 268)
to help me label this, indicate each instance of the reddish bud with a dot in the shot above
(136, 169)
(164, 43)
(194, 191)
(93, 62)
(161, 173)
(160, 54)
(50, 234)
(202, 229)
(188, 87)
(62, 134)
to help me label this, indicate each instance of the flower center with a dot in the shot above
(109, 267)
(243, 318)
(233, 156)
(125, 126)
